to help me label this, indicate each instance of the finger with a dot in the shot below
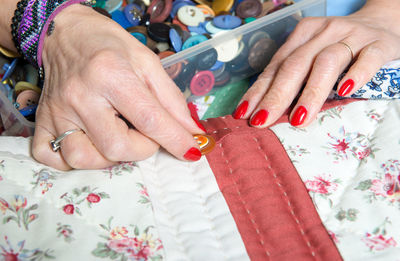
(307, 29)
(369, 61)
(327, 67)
(112, 136)
(41, 148)
(138, 105)
(77, 149)
(165, 90)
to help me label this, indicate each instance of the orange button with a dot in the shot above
(206, 143)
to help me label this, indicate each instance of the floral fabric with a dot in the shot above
(349, 162)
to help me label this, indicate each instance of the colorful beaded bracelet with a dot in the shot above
(30, 29)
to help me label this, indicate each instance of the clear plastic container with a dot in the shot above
(244, 52)
(220, 91)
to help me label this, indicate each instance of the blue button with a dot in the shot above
(119, 17)
(178, 4)
(29, 110)
(227, 21)
(194, 40)
(175, 39)
(216, 66)
(133, 13)
(9, 69)
(201, 29)
(141, 37)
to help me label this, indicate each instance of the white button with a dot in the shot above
(113, 5)
(212, 29)
(228, 49)
(190, 15)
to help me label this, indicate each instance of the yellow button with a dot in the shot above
(8, 53)
(222, 6)
(23, 86)
(206, 143)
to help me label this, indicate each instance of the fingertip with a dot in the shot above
(299, 116)
(346, 88)
(259, 119)
(193, 154)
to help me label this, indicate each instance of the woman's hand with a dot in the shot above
(315, 54)
(101, 79)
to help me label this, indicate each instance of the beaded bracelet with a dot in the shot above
(30, 29)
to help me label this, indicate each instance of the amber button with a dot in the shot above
(206, 143)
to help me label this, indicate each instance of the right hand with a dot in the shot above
(95, 74)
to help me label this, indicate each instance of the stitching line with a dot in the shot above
(256, 228)
(286, 197)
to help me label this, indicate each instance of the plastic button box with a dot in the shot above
(210, 92)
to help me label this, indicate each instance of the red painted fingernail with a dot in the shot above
(299, 116)
(259, 118)
(199, 124)
(241, 110)
(193, 154)
(346, 87)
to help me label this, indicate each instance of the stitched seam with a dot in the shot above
(206, 212)
(289, 204)
(168, 213)
(255, 225)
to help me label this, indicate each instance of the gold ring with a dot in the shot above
(348, 48)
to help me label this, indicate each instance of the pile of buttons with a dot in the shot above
(168, 27)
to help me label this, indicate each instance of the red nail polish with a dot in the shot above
(199, 124)
(241, 110)
(299, 116)
(346, 87)
(259, 118)
(193, 154)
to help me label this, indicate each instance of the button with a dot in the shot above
(206, 143)
(22, 86)
(188, 71)
(143, 30)
(223, 79)
(112, 5)
(240, 61)
(202, 83)
(175, 39)
(119, 17)
(257, 36)
(27, 98)
(216, 66)
(176, 5)
(249, 19)
(159, 32)
(29, 110)
(207, 11)
(174, 70)
(133, 14)
(221, 6)
(249, 8)
(194, 40)
(200, 29)
(267, 7)
(177, 22)
(227, 21)
(159, 10)
(9, 69)
(190, 15)
(8, 53)
(207, 59)
(212, 29)
(162, 46)
(140, 37)
(261, 53)
(227, 49)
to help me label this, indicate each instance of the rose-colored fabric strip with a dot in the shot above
(269, 202)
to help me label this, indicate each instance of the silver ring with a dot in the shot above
(56, 143)
(348, 48)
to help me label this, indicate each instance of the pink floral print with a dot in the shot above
(386, 185)
(79, 196)
(65, 231)
(348, 144)
(144, 197)
(18, 211)
(379, 240)
(10, 254)
(323, 186)
(124, 244)
(44, 179)
(331, 113)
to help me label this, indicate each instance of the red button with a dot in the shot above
(202, 83)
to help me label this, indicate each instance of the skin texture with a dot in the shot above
(313, 56)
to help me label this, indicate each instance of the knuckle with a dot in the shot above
(291, 65)
(76, 158)
(327, 59)
(313, 94)
(373, 50)
(149, 119)
(115, 149)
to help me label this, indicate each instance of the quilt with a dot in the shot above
(330, 191)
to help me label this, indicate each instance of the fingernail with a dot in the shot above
(346, 87)
(199, 124)
(299, 116)
(193, 154)
(259, 118)
(241, 110)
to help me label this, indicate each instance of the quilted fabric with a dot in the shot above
(350, 163)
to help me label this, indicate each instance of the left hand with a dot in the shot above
(315, 54)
